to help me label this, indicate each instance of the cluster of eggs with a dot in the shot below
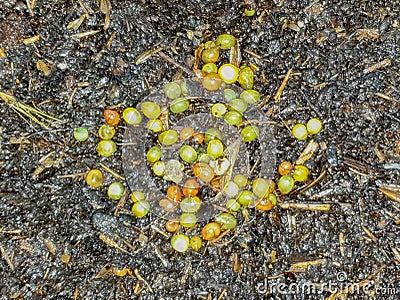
(202, 153)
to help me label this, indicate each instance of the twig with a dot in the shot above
(282, 87)
(384, 63)
(146, 55)
(112, 172)
(386, 97)
(311, 184)
(7, 258)
(175, 63)
(73, 175)
(142, 279)
(121, 202)
(23, 111)
(306, 206)
(111, 243)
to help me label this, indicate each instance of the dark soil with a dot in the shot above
(321, 41)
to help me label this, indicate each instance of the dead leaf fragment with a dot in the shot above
(30, 5)
(197, 56)
(84, 34)
(41, 66)
(105, 7)
(391, 194)
(307, 153)
(235, 56)
(190, 34)
(65, 258)
(104, 271)
(396, 252)
(2, 53)
(321, 37)
(75, 24)
(369, 233)
(146, 55)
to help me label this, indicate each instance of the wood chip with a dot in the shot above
(110, 40)
(321, 194)
(19, 140)
(302, 266)
(41, 66)
(384, 63)
(342, 243)
(282, 87)
(372, 34)
(222, 295)
(190, 34)
(272, 256)
(137, 288)
(293, 26)
(13, 231)
(253, 54)
(321, 37)
(2, 53)
(31, 40)
(320, 86)
(50, 246)
(105, 270)
(237, 265)
(65, 258)
(45, 162)
(76, 294)
(197, 56)
(379, 153)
